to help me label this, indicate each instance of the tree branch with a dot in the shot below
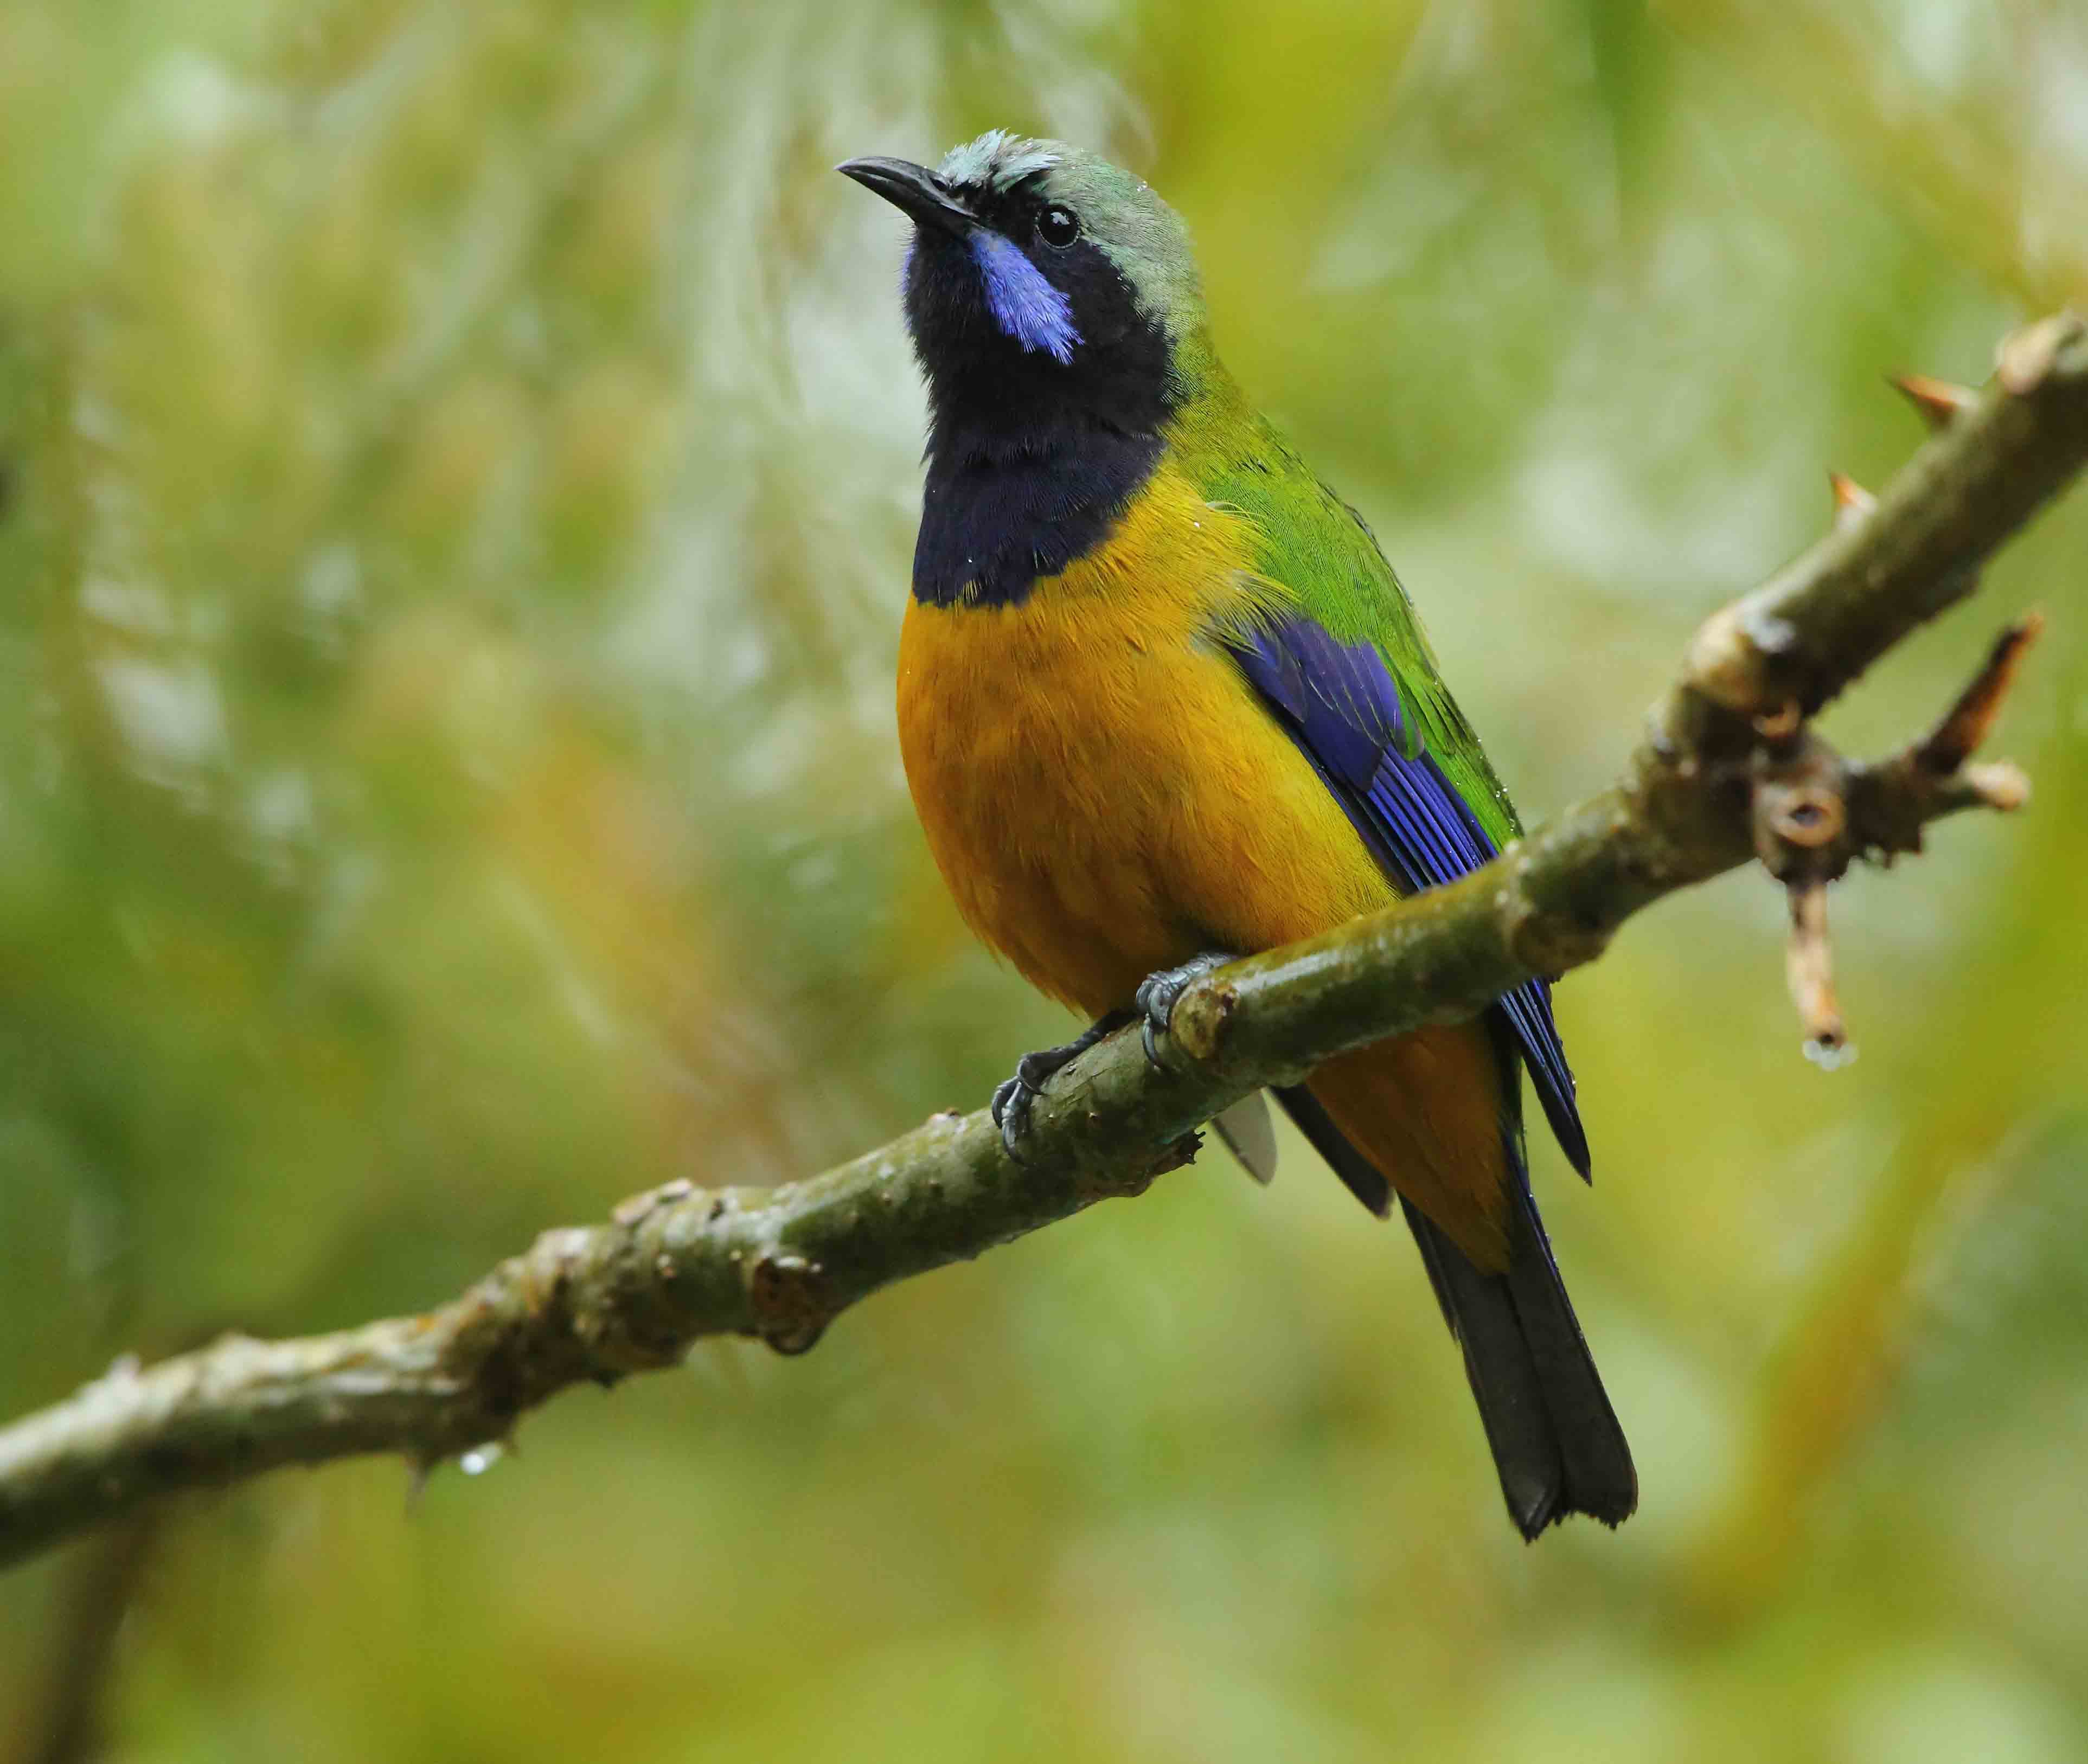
(1730, 769)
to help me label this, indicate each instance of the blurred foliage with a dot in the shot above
(457, 472)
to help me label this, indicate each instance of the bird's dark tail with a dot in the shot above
(1555, 1440)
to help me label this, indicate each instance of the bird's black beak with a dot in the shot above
(916, 189)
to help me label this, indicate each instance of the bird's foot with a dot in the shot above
(1013, 1099)
(1158, 994)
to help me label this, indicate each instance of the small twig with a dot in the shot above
(1891, 800)
(1809, 967)
(1969, 721)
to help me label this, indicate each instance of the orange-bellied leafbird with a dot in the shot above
(1161, 699)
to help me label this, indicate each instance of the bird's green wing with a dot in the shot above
(1320, 548)
(1345, 670)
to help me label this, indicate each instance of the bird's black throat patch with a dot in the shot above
(1005, 510)
(1031, 461)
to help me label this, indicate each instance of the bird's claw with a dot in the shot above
(1011, 1100)
(1013, 1097)
(1158, 994)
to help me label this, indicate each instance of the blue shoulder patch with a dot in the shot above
(1340, 704)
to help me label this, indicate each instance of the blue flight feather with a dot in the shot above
(1341, 706)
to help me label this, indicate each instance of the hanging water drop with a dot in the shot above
(1828, 1056)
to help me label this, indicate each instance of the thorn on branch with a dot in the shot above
(1852, 501)
(1938, 403)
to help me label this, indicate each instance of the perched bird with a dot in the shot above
(1161, 700)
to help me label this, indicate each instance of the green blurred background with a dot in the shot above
(459, 472)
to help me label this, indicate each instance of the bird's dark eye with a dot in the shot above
(1057, 227)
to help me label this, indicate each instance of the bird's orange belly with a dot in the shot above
(1104, 802)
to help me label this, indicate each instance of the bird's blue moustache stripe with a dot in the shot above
(1025, 306)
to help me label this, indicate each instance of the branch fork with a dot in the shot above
(1813, 813)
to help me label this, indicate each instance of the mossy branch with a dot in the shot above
(1729, 770)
